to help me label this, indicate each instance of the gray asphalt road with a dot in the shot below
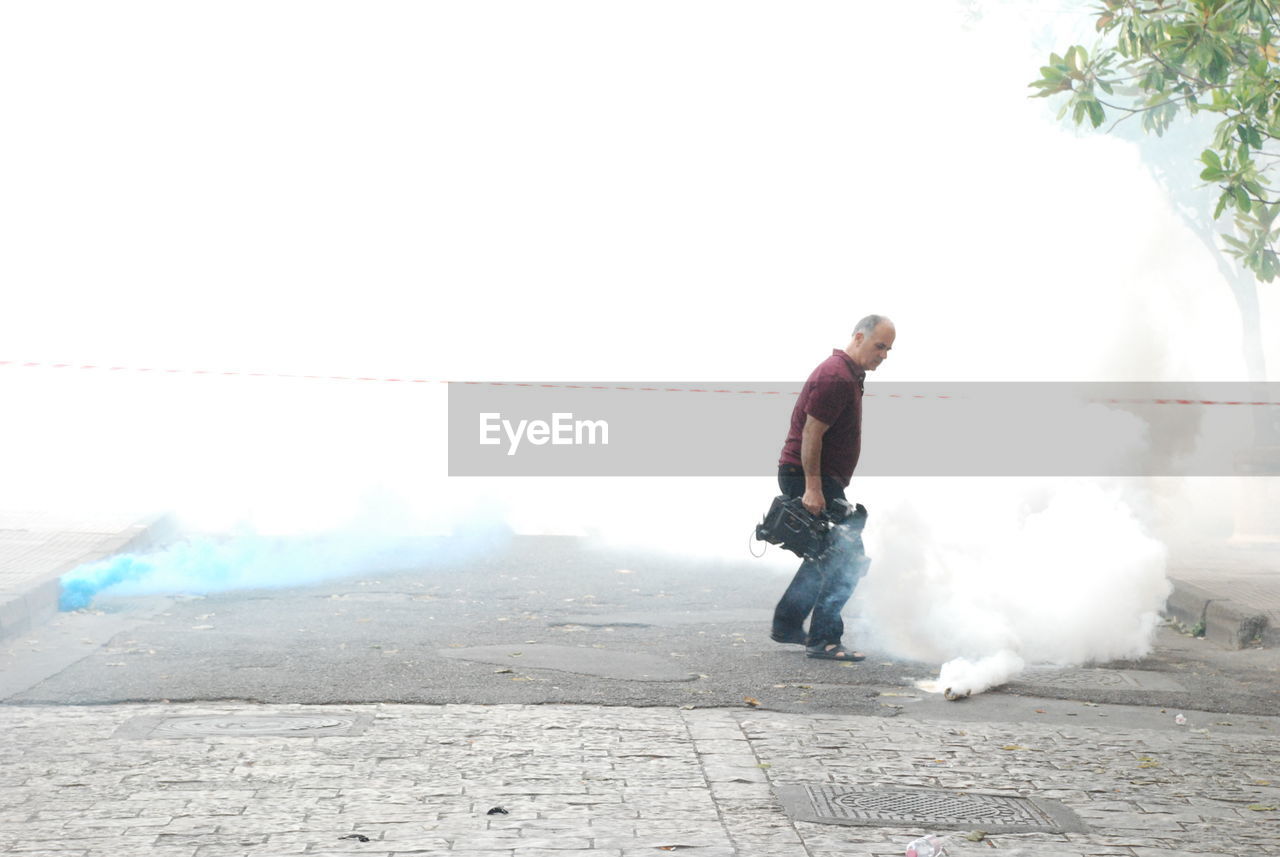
(548, 620)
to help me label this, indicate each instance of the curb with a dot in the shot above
(20, 612)
(1226, 623)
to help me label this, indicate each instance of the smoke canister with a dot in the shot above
(927, 846)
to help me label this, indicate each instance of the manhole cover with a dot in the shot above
(284, 725)
(880, 807)
(1099, 679)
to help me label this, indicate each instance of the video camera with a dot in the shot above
(792, 527)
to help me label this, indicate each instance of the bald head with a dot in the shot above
(868, 324)
(872, 341)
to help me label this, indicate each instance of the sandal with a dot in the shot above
(834, 652)
(798, 637)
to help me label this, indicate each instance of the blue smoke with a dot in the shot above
(81, 584)
(250, 561)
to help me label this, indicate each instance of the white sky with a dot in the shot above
(537, 191)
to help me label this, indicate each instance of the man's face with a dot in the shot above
(870, 351)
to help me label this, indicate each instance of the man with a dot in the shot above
(818, 458)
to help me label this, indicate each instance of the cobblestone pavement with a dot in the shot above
(608, 781)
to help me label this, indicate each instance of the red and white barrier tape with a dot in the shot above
(32, 364)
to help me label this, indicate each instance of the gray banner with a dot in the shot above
(972, 429)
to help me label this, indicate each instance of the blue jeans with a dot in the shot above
(820, 589)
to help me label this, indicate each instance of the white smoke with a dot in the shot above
(574, 191)
(987, 575)
(961, 677)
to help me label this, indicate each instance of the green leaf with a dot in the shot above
(1234, 242)
(1211, 159)
(1096, 113)
(1222, 133)
(1071, 58)
(1222, 204)
(1210, 174)
(1242, 198)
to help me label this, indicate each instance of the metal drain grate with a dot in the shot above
(881, 807)
(284, 725)
(1100, 679)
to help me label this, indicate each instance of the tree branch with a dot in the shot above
(1136, 110)
(1255, 198)
(1182, 74)
(1239, 116)
(1113, 125)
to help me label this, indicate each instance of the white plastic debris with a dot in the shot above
(927, 846)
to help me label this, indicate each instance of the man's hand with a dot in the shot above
(814, 501)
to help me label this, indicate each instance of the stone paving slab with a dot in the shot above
(1136, 789)
(604, 781)
(24, 553)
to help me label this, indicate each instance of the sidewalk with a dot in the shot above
(36, 549)
(241, 779)
(1232, 591)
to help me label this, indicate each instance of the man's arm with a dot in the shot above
(811, 461)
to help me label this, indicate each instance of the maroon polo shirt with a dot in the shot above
(832, 394)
